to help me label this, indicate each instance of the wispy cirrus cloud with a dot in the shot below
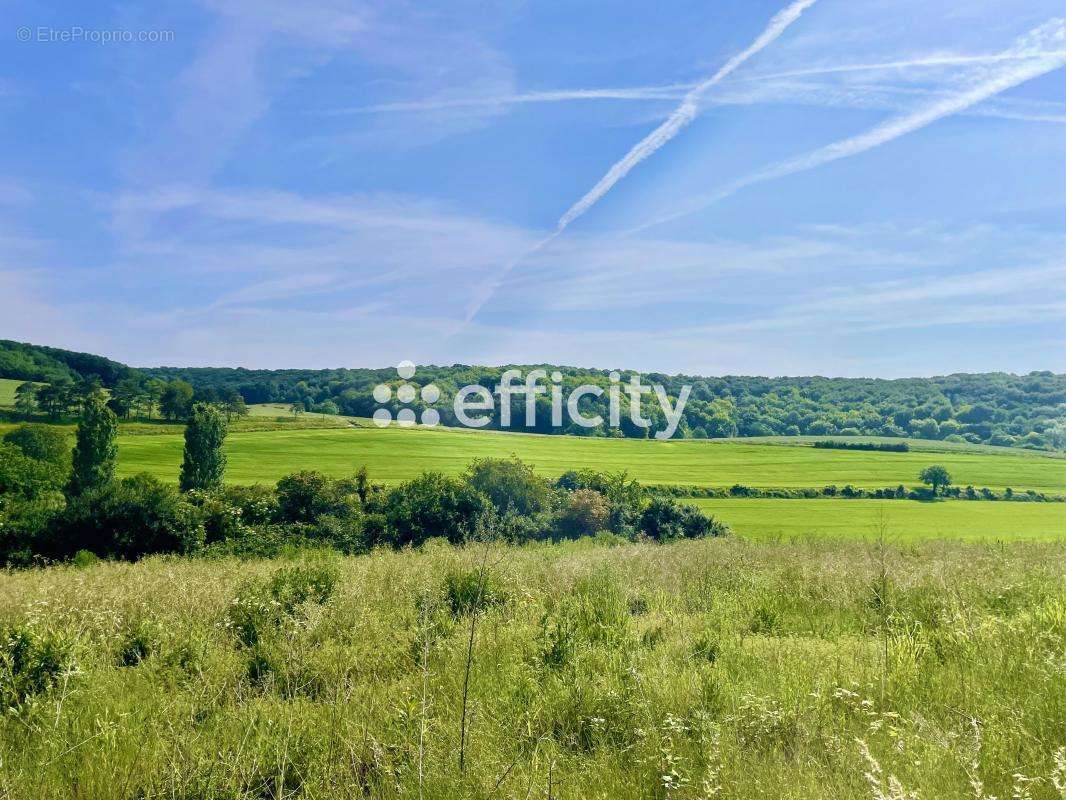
(1042, 50)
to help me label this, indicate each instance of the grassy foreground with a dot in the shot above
(714, 668)
(395, 454)
(904, 520)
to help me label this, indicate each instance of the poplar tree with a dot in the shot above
(204, 464)
(95, 451)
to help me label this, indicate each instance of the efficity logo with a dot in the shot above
(406, 393)
(564, 410)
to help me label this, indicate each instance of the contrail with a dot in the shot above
(671, 91)
(683, 114)
(680, 117)
(1039, 63)
(668, 91)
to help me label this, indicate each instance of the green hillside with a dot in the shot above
(394, 454)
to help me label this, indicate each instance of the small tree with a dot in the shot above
(95, 450)
(204, 463)
(297, 409)
(936, 476)
(235, 405)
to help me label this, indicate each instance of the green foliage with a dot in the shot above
(473, 590)
(25, 477)
(175, 401)
(584, 513)
(41, 442)
(127, 519)
(95, 450)
(31, 662)
(510, 485)
(665, 520)
(936, 476)
(433, 505)
(306, 496)
(204, 463)
(261, 607)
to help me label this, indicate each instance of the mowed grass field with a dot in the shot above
(395, 454)
(903, 520)
(7, 391)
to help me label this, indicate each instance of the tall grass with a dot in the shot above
(715, 668)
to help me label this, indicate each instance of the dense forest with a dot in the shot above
(992, 408)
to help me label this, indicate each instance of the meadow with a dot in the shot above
(712, 668)
(7, 391)
(395, 454)
(901, 520)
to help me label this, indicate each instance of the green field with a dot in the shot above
(904, 520)
(7, 391)
(394, 454)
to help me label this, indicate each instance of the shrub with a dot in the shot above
(41, 442)
(586, 512)
(625, 497)
(260, 608)
(128, 519)
(305, 496)
(30, 664)
(666, 520)
(294, 586)
(471, 590)
(433, 505)
(27, 477)
(510, 485)
(23, 524)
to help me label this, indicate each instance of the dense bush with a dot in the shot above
(127, 519)
(433, 505)
(26, 477)
(665, 520)
(510, 485)
(585, 512)
(31, 661)
(41, 442)
(306, 496)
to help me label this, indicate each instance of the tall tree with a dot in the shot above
(26, 398)
(95, 450)
(153, 393)
(126, 395)
(204, 464)
(176, 400)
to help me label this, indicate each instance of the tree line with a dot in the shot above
(57, 503)
(992, 408)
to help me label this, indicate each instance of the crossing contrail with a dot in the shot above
(683, 114)
(1038, 61)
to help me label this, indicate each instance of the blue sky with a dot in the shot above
(836, 187)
